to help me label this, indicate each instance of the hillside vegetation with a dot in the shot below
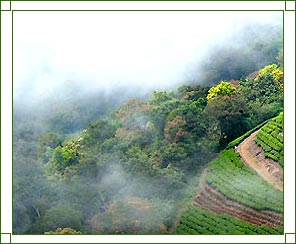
(130, 170)
(236, 181)
(196, 220)
(271, 139)
(233, 198)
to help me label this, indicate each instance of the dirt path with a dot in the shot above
(253, 156)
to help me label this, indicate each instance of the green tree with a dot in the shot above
(137, 161)
(264, 93)
(171, 179)
(270, 77)
(61, 215)
(174, 154)
(224, 88)
(97, 132)
(266, 88)
(32, 193)
(63, 157)
(232, 114)
(190, 92)
(192, 113)
(134, 122)
(130, 216)
(46, 142)
(162, 104)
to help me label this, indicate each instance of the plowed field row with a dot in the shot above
(212, 200)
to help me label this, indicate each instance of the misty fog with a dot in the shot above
(103, 50)
(86, 152)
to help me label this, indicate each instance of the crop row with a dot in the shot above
(270, 153)
(275, 128)
(237, 182)
(212, 200)
(196, 220)
(271, 139)
(279, 120)
(275, 132)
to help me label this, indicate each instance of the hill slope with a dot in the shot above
(253, 156)
(271, 139)
(230, 187)
(153, 150)
(196, 220)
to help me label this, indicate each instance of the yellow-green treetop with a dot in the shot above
(224, 88)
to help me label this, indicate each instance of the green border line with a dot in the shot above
(9, 5)
(122, 11)
(147, 10)
(12, 128)
(6, 234)
(1, 118)
(151, 0)
(286, 236)
(283, 48)
(292, 10)
(128, 11)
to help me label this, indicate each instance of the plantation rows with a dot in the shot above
(199, 221)
(271, 139)
(234, 180)
(212, 200)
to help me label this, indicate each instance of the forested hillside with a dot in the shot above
(130, 171)
(131, 160)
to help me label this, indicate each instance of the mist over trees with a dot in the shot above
(123, 161)
(242, 53)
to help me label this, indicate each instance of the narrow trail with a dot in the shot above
(253, 156)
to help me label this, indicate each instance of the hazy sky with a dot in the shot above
(106, 48)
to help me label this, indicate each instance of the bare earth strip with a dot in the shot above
(253, 156)
(212, 200)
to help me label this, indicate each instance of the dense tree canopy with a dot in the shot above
(232, 115)
(126, 172)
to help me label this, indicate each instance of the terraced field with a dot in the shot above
(212, 200)
(234, 198)
(230, 176)
(271, 139)
(196, 220)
